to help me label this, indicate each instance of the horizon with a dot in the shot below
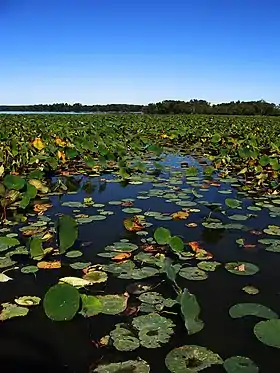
(149, 51)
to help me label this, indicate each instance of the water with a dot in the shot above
(34, 342)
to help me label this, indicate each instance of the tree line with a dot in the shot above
(260, 107)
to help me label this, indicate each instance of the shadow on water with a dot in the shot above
(35, 343)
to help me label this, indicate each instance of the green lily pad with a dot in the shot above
(249, 289)
(162, 236)
(36, 248)
(240, 364)
(28, 301)
(132, 210)
(130, 366)
(112, 304)
(139, 273)
(29, 269)
(80, 265)
(123, 338)
(96, 277)
(154, 329)
(238, 217)
(268, 332)
(61, 302)
(242, 268)
(67, 232)
(190, 310)
(72, 204)
(232, 203)
(8, 242)
(208, 266)
(13, 182)
(10, 310)
(74, 254)
(190, 359)
(273, 230)
(251, 309)
(176, 244)
(193, 273)
(91, 305)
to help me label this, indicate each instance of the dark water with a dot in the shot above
(35, 343)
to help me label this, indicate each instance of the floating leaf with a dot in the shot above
(193, 273)
(96, 277)
(154, 329)
(28, 301)
(74, 254)
(29, 269)
(75, 281)
(242, 268)
(249, 289)
(49, 265)
(162, 236)
(132, 210)
(133, 366)
(80, 265)
(4, 278)
(8, 242)
(13, 182)
(10, 310)
(123, 338)
(240, 364)
(112, 304)
(91, 305)
(208, 266)
(61, 302)
(180, 215)
(190, 310)
(252, 309)
(36, 248)
(190, 359)
(268, 332)
(67, 232)
(232, 203)
(176, 244)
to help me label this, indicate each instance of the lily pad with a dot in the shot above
(238, 217)
(67, 232)
(112, 304)
(190, 359)
(96, 277)
(268, 332)
(123, 338)
(242, 268)
(240, 364)
(162, 236)
(193, 273)
(130, 366)
(208, 266)
(154, 329)
(132, 210)
(251, 309)
(75, 281)
(10, 310)
(91, 305)
(4, 278)
(28, 301)
(74, 254)
(29, 269)
(8, 242)
(14, 182)
(249, 289)
(232, 203)
(273, 230)
(190, 310)
(61, 302)
(80, 265)
(176, 244)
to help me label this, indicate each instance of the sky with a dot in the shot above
(131, 51)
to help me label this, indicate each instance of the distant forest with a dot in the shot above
(260, 107)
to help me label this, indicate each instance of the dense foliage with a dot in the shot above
(165, 107)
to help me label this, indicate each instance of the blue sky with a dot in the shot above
(130, 51)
